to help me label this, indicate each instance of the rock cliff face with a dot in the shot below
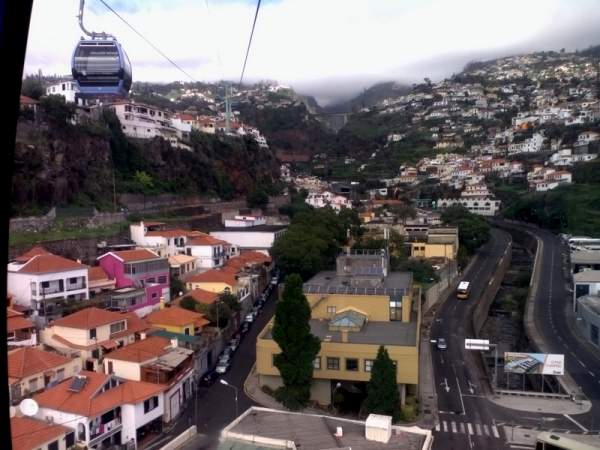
(75, 166)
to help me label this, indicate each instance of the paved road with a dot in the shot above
(553, 300)
(216, 404)
(467, 419)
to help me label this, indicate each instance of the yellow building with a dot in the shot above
(354, 310)
(437, 243)
(178, 320)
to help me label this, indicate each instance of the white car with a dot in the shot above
(222, 367)
(224, 359)
(274, 281)
(441, 344)
(249, 318)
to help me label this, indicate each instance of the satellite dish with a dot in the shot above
(29, 407)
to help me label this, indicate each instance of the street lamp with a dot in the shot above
(222, 381)
(337, 386)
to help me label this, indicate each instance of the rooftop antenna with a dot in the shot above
(91, 34)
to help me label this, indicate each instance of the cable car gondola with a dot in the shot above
(99, 65)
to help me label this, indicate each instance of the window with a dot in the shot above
(352, 364)
(273, 356)
(331, 309)
(317, 363)
(151, 280)
(45, 284)
(162, 279)
(33, 385)
(92, 333)
(70, 440)
(187, 331)
(395, 310)
(333, 363)
(369, 364)
(53, 445)
(117, 327)
(150, 404)
(60, 374)
(154, 295)
(73, 280)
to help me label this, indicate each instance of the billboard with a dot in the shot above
(534, 363)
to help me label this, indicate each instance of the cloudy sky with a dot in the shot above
(329, 48)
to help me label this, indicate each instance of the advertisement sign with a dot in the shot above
(534, 363)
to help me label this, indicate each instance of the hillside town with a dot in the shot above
(380, 298)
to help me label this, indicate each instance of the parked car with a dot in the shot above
(222, 367)
(245, 328)
(226, 351)
(274, 281)
(441, 344)
(249, 318)
(208, 379)
(233, 344)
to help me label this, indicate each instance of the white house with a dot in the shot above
(327, 198)
(565, 157)
(483, 206)
(546, 178)
(531, 145)
(40, 281)
(159, 361)
(259, 238)
(66, 88)
(588, 136)
(104, 410)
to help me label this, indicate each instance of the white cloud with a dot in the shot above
(302, 41)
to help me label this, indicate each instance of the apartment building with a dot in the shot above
(20, 331)
(27, 433)
(483, 206)
(41, 283)
(136, 271)
(159, 361)
(91, 333)
(104, 410)
(257, 237)
(31, 370)
(437, 243)
(355, 309)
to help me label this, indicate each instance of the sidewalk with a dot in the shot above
(541, 405)
(253, 391)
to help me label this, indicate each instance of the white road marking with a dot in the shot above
(470, 427)
(453, 426)
(478, 429)
(591, 373)
(437, 427)
(445, 426)
(581, 362)
(485, 430)
(462, 427)
(495, 432)
(525, 447)
(575, 422)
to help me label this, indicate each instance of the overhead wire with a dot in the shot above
(249, 42)
(160, 52)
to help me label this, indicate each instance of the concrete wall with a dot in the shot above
(42, 223)
(448, 282)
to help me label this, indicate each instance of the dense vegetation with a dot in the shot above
(473, 230)
(67, 165)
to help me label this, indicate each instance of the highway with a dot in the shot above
(553, 301)
(467, 419)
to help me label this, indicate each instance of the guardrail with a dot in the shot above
(532, 394)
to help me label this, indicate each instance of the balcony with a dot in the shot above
(100, 432)
(76, 286)
(53, 289)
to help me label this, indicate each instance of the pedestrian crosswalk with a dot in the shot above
(473, 429)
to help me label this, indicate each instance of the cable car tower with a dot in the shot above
(99, 64)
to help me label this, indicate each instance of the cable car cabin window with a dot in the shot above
(97, 60)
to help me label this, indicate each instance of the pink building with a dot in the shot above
(142, 278)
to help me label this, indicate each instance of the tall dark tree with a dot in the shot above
(299, 347)
(382, 390)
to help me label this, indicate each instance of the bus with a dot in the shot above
(583, 242)
(462, 292)
(559, 441)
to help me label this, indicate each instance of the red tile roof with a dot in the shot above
(140, 351)
(90, 401)
(133, 255)
(48, 264)
(35, 251)
(96, 273)
(88, 318)
(212, 276)
(205, 240)
(177, 317)
(202, 296)
(28, 361)
(16, 321)
(27, 433)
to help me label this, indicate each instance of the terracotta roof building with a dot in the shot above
(31, 434)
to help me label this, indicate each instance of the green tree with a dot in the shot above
(291, 331)
(473, 230)
(57, 111)
(258, 198)
(188, 303)
(32, 87)
(230, 300)
(382, 390)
